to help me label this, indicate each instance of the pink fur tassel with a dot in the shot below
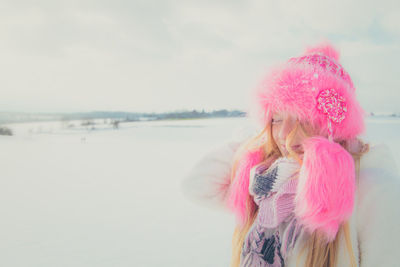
(326, 186)
(239, 189)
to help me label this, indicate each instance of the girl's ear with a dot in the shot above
(326, 186)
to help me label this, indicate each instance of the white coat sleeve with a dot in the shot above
(208, 180)
(378, 218)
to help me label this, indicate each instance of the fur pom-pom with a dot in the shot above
(239, 189)
(326, 49)
(326, 186)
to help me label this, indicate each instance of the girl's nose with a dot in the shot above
(286, 128)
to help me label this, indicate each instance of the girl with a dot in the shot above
(306, 190)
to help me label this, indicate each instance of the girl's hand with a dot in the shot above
(264, 180)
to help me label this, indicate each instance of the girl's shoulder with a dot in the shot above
(378, 170)
(378, 214)
(381, 157)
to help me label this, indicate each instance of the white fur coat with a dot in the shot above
(374, 224)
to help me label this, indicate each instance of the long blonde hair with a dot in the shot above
(320, 253)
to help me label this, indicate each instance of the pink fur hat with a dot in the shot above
(315, 88)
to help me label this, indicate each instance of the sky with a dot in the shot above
(157, 56)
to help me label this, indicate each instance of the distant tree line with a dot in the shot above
(194, 114)
(115, 118)
(5, 131)
(136, 116)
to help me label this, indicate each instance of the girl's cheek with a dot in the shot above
(275, 134)
(276, 129)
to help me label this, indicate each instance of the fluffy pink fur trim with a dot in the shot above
(326, 187)
(239, 189)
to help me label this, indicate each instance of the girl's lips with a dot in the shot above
(293, 147)
(297, 148)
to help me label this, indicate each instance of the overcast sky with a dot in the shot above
(171, 55)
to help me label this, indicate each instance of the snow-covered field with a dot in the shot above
(106, 197)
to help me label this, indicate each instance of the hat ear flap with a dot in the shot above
(326, 187)
(239, 189)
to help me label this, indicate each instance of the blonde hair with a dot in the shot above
(320, 253)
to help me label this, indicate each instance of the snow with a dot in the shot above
(107, 197)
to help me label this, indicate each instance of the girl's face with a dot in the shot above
(282, 125)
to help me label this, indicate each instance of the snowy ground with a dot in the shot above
(75, 197)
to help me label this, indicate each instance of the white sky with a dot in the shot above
(171, 55)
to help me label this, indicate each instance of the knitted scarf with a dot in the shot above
(275, 229)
